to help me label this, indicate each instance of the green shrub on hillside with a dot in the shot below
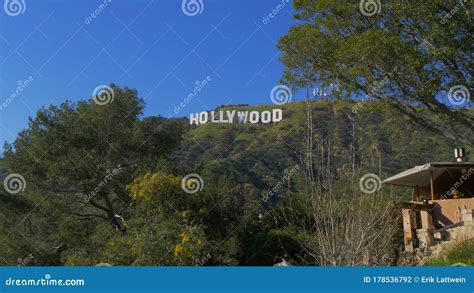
(457, 255)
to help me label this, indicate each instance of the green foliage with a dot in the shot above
(27, 231)
(227, 223)
(260, 157)
(406, 56)
(86, 153)
(460, 254)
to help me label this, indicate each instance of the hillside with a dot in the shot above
(226, 222)
(384, 143)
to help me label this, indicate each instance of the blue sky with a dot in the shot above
(150, 45)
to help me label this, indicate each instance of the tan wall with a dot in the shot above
(448, 211)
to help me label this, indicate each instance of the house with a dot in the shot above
(442, 202)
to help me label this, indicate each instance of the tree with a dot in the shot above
(336, 224)
(85, 154)
(411, 55)
(173, 235)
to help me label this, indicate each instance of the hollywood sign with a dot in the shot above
(234, 116)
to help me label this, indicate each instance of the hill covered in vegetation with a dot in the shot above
(111, 190)
(370, 138)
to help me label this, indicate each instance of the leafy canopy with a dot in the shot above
(88, 153)
(408, 55)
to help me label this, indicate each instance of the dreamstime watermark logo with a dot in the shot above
(88, 19)
(103, 95)
(21, 86)
(23, 262)
(46, 281)
(14, 7)
(267, 18)
(14, 183)
(457, 185)
(453, 11)
(287, 175)
(200, 262)
(192, 7)
(109, 177)
(199, 86)
(370, 7)
(370, 183)
(192, 183)
(376, 88)
(281, 94)
(459, 95)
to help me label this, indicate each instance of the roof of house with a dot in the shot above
(420, 175)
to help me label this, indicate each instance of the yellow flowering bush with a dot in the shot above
(160, 197)
(191, 245)
(150, 184)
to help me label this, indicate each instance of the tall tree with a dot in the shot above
(85, 154)
(416, 56)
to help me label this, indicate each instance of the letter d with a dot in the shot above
(277, 115)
